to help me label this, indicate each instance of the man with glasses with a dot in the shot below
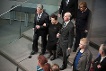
(65, 36)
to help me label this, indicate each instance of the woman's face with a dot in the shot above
(82, 8)
(53, 21)
(82, 45)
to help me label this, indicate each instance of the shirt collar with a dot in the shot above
(40, 14)
(67, 22)
(103, 57)
(81, 51)
(85, 10)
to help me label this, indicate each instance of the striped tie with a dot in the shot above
(64, 25)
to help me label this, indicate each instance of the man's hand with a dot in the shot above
(74, 26)
(69, 49)
(33, 28)
(37, 26)
(99, 66)
(44, 24)
(58, 34)
(59, 15)
(86, 31)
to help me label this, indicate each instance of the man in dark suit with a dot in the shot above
(41, 22)
(65, 36)
(68, 6)
(100, 62)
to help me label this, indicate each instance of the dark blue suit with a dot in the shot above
(40, 32)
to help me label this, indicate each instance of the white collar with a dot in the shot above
(102, 58)
(67, 22)
(81, 51)
(39, 15)
(84, 10)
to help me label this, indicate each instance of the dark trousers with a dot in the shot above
(65, 57)
(79, 34)
(75, 70)
(35, 43)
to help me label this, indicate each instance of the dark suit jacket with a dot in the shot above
(44, 19)
(66, 36)
(83, 20)
(71, 7)
(103, 64)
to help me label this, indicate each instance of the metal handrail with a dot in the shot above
(13, 8)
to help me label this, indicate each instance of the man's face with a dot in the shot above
(39, 10)
(66, 17)
(53, 21)
(82, 45)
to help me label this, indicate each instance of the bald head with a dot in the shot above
(67, 16)
(102, 49)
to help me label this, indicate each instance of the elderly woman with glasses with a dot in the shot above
(83, 58)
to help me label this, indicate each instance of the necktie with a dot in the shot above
(38, 17)
(64, 25)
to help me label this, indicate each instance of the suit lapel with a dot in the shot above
(42, 15)
(104, 60)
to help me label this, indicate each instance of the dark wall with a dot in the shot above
(98, 27)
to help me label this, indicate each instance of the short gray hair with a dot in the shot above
(40, 6)
(68, 14)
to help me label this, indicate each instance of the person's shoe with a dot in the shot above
(53, 57)
(33, 52)
(63, 67)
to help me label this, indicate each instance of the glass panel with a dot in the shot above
(9, 28)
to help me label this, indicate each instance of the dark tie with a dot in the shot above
(38, 17)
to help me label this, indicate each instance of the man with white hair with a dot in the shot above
(100, 61)
(41, 22)
(65, 36)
